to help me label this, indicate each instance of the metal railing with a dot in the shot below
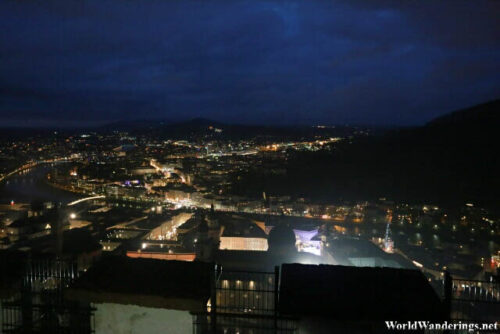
(246, 292)
(244, 302)
(473, 290)
(475, 300)
(40, 306)
(41, 318)
(243, 324)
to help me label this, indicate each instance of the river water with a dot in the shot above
(30, 185)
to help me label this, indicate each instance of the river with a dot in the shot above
(30, 185)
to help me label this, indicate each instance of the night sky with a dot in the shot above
(379, 62)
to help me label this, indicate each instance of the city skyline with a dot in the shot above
(249, 167)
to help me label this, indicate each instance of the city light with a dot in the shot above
(248, 167)
(418, 264)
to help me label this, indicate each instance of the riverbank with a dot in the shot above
(70, 189)
(31, 165)
(30, 184)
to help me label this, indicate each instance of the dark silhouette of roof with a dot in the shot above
(189, 224)
(33, 221)
(262, 261)
(203, 227)
(77, 241)
(353, 293)
(13, 268)
(344, 248)
(281, 237)
(146, 282)
(243, 228)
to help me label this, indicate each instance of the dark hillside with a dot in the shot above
(451, 160)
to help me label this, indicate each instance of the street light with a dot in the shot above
(72, 215)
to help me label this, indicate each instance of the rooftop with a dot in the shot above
(145, 282)
(350, 293)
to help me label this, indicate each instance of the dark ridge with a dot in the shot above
(198, 128)
(483, 114)
(451, 161)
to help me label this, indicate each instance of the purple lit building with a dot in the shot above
(308, 241)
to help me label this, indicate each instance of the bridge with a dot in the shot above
(33, 164)
(85, 199)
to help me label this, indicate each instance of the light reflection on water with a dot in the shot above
(30, 185)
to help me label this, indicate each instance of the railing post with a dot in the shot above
(213, 301)
(447, 286)
(26, 305)
(276, 296)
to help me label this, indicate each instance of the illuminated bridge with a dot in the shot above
(85, 199)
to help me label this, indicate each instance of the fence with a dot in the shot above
(474, 300)
(245, 303)
(247, 292)
(40, 307)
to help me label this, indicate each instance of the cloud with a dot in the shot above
(354, 61)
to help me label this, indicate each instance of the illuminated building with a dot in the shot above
(158, 253)
(308, 241)
(248, 238)
(243, 243)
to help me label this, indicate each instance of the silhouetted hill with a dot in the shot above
(16, 133)
(453, 159)
(205, 128)
(135, 125)
(486, 114)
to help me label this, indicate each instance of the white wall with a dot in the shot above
(130, 319)
(242, 243)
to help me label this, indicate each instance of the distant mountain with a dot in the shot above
(134, 125)
(451, 160)
(20, 133)
(205, 128)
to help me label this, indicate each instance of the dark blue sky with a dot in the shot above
(355, 61)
